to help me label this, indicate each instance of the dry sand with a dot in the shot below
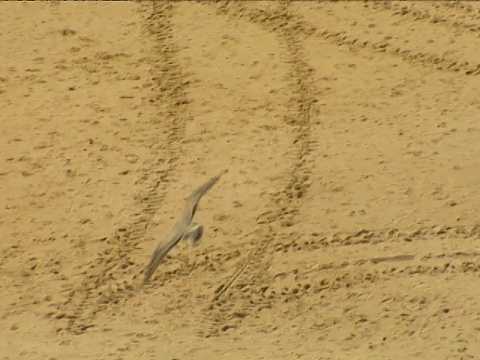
(347, 226)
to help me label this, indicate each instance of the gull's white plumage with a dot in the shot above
(184, 228)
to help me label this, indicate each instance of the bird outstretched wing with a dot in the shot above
(193, 200)
(160, 252)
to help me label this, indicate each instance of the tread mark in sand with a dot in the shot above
(112, 277)
(252, 268)
(434, 61)
(427, 15)
(315, 277)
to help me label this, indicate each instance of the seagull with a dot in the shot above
(183, 229)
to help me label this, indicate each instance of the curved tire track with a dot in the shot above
(393, 45)
(113, 276)
(433, 61)
(429, 13)
(253, 268)
(356, 270)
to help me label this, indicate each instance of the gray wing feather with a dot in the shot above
(181, 226)
(194, 199)
(160, 252)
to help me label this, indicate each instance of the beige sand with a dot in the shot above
(346, 228)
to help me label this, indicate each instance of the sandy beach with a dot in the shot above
(346, 227)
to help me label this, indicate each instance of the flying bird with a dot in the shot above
(183, 229)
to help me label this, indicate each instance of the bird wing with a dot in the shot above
(182, 225)
(193, 200)
(161, 251)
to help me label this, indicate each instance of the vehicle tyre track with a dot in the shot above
(429, 13)
(315, 241)
(373, 44)
(113, 276)
(360, 268)
(434, 61)
(251, 274)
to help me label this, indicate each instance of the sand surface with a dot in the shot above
(347, 226)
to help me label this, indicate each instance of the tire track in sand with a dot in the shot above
(316, 269)
(456, 55)
(237, 294)
(113, 276)
(455, 16)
